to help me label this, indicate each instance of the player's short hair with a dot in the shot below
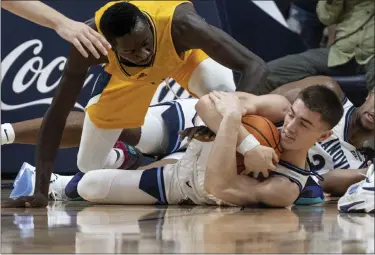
(323, 100)
(120, 19)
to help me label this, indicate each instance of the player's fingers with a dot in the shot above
(89, 45)
(217, 94)
(255, 174)
(271, 166)
(275, 158)
(101, 38)
(98, 44)
(266, 173)
(213, 97)
(223, 93)
(79, 47)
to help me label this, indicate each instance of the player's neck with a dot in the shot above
(295, 157)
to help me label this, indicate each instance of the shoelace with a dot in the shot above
(53, 194)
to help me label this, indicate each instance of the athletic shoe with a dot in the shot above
(24, 184)
(360, 196)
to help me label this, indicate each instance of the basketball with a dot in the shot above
(264, 131)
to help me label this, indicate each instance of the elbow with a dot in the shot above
(214, 185)
(257, 66)
(202, 104)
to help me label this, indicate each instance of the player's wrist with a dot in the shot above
(247, 144)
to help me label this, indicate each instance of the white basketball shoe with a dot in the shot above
(24, 184)
(360, 196)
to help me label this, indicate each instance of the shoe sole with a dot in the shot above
(366, 205)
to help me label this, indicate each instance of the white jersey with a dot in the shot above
(184, 181)
(336, 152)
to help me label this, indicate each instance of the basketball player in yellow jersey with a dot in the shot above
(151, 41)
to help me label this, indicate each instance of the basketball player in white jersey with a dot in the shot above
(159, 137)
(207, 172)
(341, 152)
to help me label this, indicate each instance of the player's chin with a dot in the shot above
(287, 144)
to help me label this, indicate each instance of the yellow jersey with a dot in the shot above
(122, 94)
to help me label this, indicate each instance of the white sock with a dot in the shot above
(7, 134)
(115, 159)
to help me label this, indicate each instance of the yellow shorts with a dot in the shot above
(117, 104)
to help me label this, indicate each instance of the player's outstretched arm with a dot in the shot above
(195, 33)
(77, 33)
(53, 125)
(337, 181)
(291, 90)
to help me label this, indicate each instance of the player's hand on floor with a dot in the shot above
(200, 133)
(36, 201)
(260, 159)
(79, 33)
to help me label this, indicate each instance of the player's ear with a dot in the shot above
(325, 136)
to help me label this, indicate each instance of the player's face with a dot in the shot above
(367, 113)
(302, 128)
(137, 46)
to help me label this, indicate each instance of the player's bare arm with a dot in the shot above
(190, 31)
(53, 123)
(222, 180)
(272, 107)
(259, 158)
(291, 90)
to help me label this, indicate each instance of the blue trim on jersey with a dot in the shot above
(344, 101)
(181, 123)
(363, 164)
(347, 121)
(194, 118)
(300, 170)
(294, 168)
(164, 103)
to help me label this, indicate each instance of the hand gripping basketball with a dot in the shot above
(261, 158)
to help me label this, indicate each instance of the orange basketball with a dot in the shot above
(264, 131)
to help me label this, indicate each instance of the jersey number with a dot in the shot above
(318, 162)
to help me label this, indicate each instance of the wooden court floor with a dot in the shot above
(80, 227)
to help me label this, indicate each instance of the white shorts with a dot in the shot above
(162, 122)
(184, 181)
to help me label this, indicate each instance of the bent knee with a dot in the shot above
(93, 187)
(83, 165)
(203, 103)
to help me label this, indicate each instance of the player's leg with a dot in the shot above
(201, 75)
(96, 148)
(112, 186)
(159, 135)
(210, 75)
(27, 132)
